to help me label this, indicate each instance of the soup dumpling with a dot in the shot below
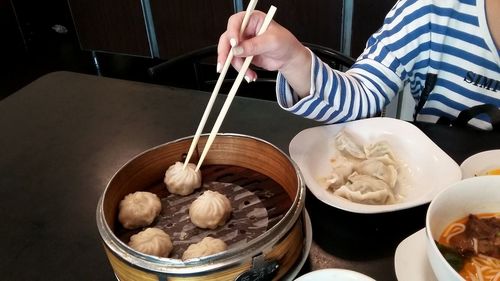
(207, 246)
(152, 241)
(182, 181)
(139, 209)
(210, 210)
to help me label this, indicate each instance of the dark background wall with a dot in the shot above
(367, 18)
(31, 48)
(32, 45)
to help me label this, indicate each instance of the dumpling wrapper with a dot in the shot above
(210, 210)
(345, 144)
(366, 189)
(152, 241)
(379, 170)
(182, 181)
(139, 209)
(381, 151)
(206, 247)
(341, 169)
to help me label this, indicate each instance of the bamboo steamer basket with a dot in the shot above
(269, 256)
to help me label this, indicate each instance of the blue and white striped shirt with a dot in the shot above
(449, 38)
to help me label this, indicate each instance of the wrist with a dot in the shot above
(297, 71)
(298, 59)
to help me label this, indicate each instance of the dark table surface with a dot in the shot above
(64, 136)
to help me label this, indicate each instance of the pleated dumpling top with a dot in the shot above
(182, 181)
(152, 241)
(210, 210)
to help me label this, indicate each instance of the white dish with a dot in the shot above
(476, 195)
(430, 169)
(336, 274)
(410, 259)
(480, 163)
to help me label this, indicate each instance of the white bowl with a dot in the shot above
(480, 163)
(336, 274)
(429, 168)
(470, 196)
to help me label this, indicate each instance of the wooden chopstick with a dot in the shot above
(232, 92)
(227, 63)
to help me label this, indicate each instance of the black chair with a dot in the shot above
(335, 59)
(196, 70)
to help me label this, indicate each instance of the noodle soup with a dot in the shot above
(448, 215)
(472, 246)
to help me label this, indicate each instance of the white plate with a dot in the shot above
(336, 274)
(430, 169)
(479, 163)
(410, 260)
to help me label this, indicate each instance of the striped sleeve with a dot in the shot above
(337, 96)
(374, 80)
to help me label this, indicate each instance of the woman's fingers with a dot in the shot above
(223, 49)
(250, 75)
(244, 43)
(233, 28)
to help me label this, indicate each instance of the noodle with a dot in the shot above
(487, 267)
(474, 240)
(452, 230)
(482, 268)
(479, 273)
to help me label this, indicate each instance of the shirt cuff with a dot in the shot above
(287, 98)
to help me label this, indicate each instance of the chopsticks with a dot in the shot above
(227, 63)
(232, 92)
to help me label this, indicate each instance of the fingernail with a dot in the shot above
(219, 67)
(237, 51)
(254, 79)
(233, 42)
(248, 79)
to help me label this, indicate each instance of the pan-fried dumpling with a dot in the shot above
(366, 189)
(210, 210)
(379, 170)
(206, 247)
(182, 181)
(152, 241)
(139, 209)
(344, 143)
(381, 151)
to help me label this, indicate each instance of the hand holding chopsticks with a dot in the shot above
(227, 63)
(232, 92)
